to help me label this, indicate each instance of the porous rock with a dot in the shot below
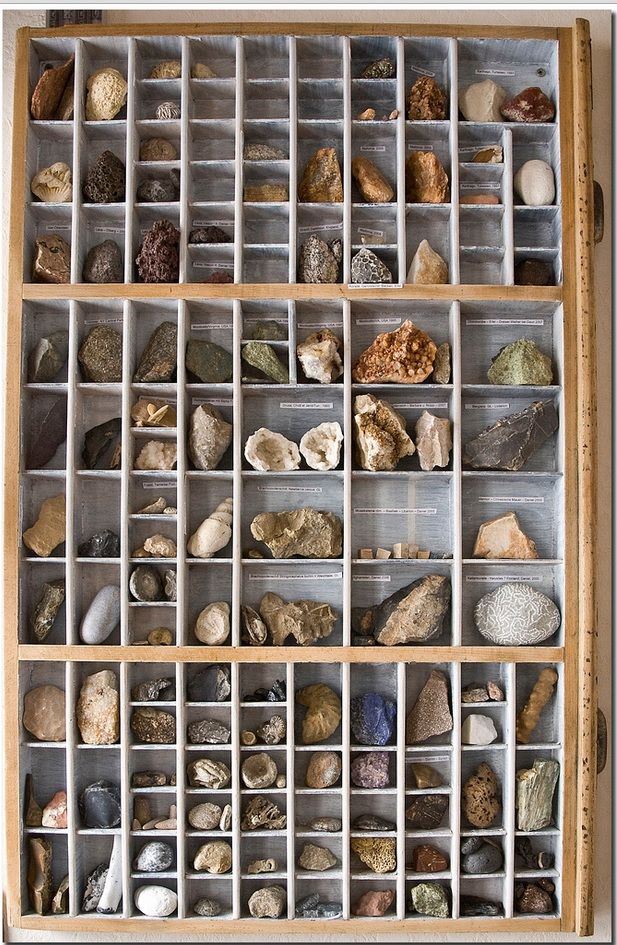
(268, 451)
(306, 620)
(433, 441)
(425, 178)
(368, 268)
(530, 105)
(52, 260)
(509, 442)
(324, 769)
(44, 713)
(371, 769)
(516, 614)
(319, 356)
(157, 149)
(426, 100)
(488, 858)
(415, 613)
(158, 359)
(103, 263)
(479, 798)
(427, 267)
(158, 259)
(257, 151)
(320, 261)
(531, 898)
(105, 180)
(106, 94)
(380, 435)
(321, 446)
(205, 772)
(261, 813)
(207, 907)
(98, 709)
(503, 537)
(304, 532)
(402, 356)
(321, 179)
(209, 234)
(167, 69)
(213, 857)
(482, 101)
(377, 853)
(372, 184)
(520, 363)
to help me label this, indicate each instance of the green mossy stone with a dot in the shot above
(264, 358)
(209, 362)
(430, 899)
(521, 363)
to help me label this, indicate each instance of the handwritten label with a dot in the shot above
(502, 578)
(305, 405)
(487, 406)
(512, 499)
(380, 578)
(426, 511)
(205, 325)
(420, 406)
(268, 575)
(495, 72)
(375, 148)
(158, 485)
(378, 321)
(320, 227)
(312, 489)
(504, 321)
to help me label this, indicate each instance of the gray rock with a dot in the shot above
(470, 845)
(46, 433)
(205, 816)
(475, 905)
(105, 181)
(154, 857)
(210, 685)
(207, 907)
(208, 732)
(154, 689)
(169, 584)
(102, 616)
(513, 439)
(145, 584)
(366, 267)
(105, 544)
(210, 363)
(47, 609)
(516, 615)
(159, 357)
(488, 858)
(311, 907)
(535, 788)
(372, 822)
(99, 805)
(209, 234)
(103, 263)
(415, 613)
(100, 355)
(48, 357)
(159, 190)
(320, 261)
(209, 437)
(325, 824)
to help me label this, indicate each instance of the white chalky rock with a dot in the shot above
(53, 184)
(213, 533)
(321, 446)
(319, 356)
(534, 182)
(482, 101)
(156, 901)
(102, 616)
(516, 615)
(271, 452)
(212, 624)
(433, 441)
(478, 730)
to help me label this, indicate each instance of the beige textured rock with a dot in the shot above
(321, 180)
(209, 437)
(168, 69)
(147, 412)
(54, 813)
(259, 771)
(433, 441)
(213, 533)
(442, 368)
(53, 184)
(324, 769)
(479, 799)
(427, 267)
(160, 547)
(212, 625)
(371, 183)
(157, 149)
(323, 712)
(201, 71)
(319, 356)
(213, 857)
(316, 858)
(106, 96)
(204, 772)
(263, 866)
(268, 902)
(502, 537)
(49, 530)
(425, 178)
(482, 101)
(430, 714)
(378, 853)
(51, 91)
(321, 446)
(268, 451)
(266, 193)
(307, 620)
(98, 709)
(402, 356)
(304, 532)
(157, 454)
(44, 713)
(380, 435)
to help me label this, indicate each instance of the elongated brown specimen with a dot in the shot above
(529, 715)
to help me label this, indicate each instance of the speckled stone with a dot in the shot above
(158, 359)
(430, 899)
(154, 857)
(207, 907)
(372, 718)
(268, 902)
(105, 181)
(371, 769)
(488, 858)
(44, 615)
(316, 858)
(209, 234)
(430, 715)
(324, 769)
(427, 811)
(372, 822)
(380, 69)
(520, 363)
(104, 264)
(154, 726)
(207, 732)
(516, 615)
(320, 261)
(325, 824)
(311, 907)
(159, 189)
(208, 362)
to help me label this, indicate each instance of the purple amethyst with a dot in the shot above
(372, 719)
(370, 770)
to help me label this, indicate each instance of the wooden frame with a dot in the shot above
(578, 651)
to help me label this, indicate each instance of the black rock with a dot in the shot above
(474, 905)
(210, 685)
(209, 234)
(48, 357)
(102, 445)
(277, 693)
(154, 689)
(159, 190)
(105, 181)
(372, 822)
(471, 844)
(509, 442)
(46, 433)
(426, 811)
(311, 907)
(47, 609)
(99, 805)
(104, 264)
(534, 272)
(105, 544)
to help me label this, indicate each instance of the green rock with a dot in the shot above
(269, 330)
(264, 358)
(381, 69)
(430, 899)
(521, 362)
(209, 362)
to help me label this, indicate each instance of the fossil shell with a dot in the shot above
(213, 533)
(167, 111)
(268, 451)
(106, 96)
(54, 184)
(323, 712)
(168, 69)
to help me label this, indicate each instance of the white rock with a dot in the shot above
(478, 730)
(319, 356)
(155, 901)
(534, 182)
(212, 624)
(209, 437)
(271, 452)
(516, 615)
(213, 533)
(53, 184)
(482, 101)
(321, 446)
(112, 890)
(433, 441)
(427, 267)
(156, 454)
(102, 616)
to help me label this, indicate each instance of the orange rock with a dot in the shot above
(403, 356)
(371, 183)
(428, 859)
(425, 179)
(321, 181)
(479, 198)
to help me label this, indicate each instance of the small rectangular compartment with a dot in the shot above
(482, 410)
(513, 64)
(34, 575)
(320, 57)
(547, 731)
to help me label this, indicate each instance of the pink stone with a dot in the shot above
(370, 770)
(54, 813)
(375, 902)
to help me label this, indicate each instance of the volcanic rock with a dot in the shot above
(513, 439)
(256, 151)
(153, 689)
(104, 263)
(320, 261)
(159, 189)
(105, 180)
(488, 858)
(209, 234)
(158, 259)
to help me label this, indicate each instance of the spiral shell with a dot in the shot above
(323, 712)
(213, 533)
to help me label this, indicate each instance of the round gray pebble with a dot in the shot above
(471, 844)
(102, 616)
(207, 907)
(154, 857)
(488, 859)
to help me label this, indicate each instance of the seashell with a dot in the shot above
(54, 184)
(106, 96)
(254, 630)
(167, 111)
(323, 712)
(213, 533)
(267, 451)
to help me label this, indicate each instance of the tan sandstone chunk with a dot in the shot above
(503, 537)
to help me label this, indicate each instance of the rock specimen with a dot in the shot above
(254, 630)
(208, 362)
(105, 180)
(532, 898)
(53, 184)
(100, 355)
(212, 626)
(319, 356)
(311, 907)
(145, 584)
(513, 439)
(210, 685)
(99, 805)
(155, 901)
(426, 100)
(321, 446)
(324, 769)
(49, 530)
(158, 259)
(374, 902)
(47, 432)
(159, 189)
(157, 149)
(44, 713)
(535, 787)
(213, 857)
(502, 537)
(372, 719)
(321, 179)
(487, 857)
(377, 853)
(106, 94)
(157, 454)
(266, 193)
(102, 616)
(47, 609)
(204, 772)
(209, 234)
(260, 813)
(372, 822)
(259, 771)
(154, 726)
(425, 178)
(158, 360)
(98, 709)
(402, 356)
(316, 858)
(272, 731)
(478, 730)
(52, 90)
(320, 261)
(493, 154)
(52, 260)
(268, 451)
(103, 263)
(323, 712)
(427, 267)
(304, 533)
(433, 441)
(60, 901)
(482, 101)
(148, 412)
(39, 876)
(256, 151)
(430, 899)
(426, 811)
(209, 437)
(533, 272)
(205, 816)
(154, 857)
(428, 859)
(268, 329)
(154, 689)
(371, 769)
(95, 885)
(102, 445)
(430, 714)
(441, 364)
(268, 902)
(479, 799)
(425, 776)
(516, 615)
(48, 356)
(534, 182)
(529, 716)
(474, 905)
(372, 185)
(380, 69)
(367, 268)
(530, 105)
(325, 824)
(168, 69)
(263, 866)
(380, 435)
(519, 363)
(263, 357)
(415, 613)
(208, 732)
(276, 693)
(213, 533)
(306, 620)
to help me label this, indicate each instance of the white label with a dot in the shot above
(213, 223)
(429, 759)
(216, 401)
(115, 320)
(282, 320)
(419, 406)
(381, 578)
(375, 285)
(484, 185)
(365, 231)
(363, 511)
(420, 147)
(158, 485)
(495, 72)
(511, 499)
(487, 406)
(57, 227)
(305, 405)
(205, 325)
(474, 147)
(320, 227)
(504, 321)
(213, 265)
(108, 229)
(276, 576)
(502, 578)
(321, 325)
(420, 71)
(312, 489)
(378, 321)
(373, 147)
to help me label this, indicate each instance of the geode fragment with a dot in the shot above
(319, 356)
(380, 435)
(158, 259)
(513, 439)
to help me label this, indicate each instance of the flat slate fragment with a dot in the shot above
(513, 439)
(102, 445)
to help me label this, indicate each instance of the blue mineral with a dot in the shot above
(372, 719)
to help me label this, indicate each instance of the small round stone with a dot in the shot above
(488, 858)
(207, 907)
(259, 771)
(44, 713)
(324, 769)
(160, 636)
(205, 816)
(212, 626)
(268, 902)
(213, 857)
(154, 857)
(155, 901)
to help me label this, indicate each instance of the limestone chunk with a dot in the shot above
(402, 356)
(321, 446)
(304, 532)
(427, 267)
(212, 625)
(503, 537)
(53, 184)
(371, 183)
(106, 96)
(319, 356)
(478, 730)
(168, 69)
(381, 438)
(433, 441)
(306, 620)
(482, 101)
(268, 451)
(534, 182)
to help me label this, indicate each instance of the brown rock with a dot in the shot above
(54, 812)
(48, 92)
(154, 726)
(531, 898)
(534, 272)
(321, 180)
(402, 356)
(39, 874)
(479, 199)
(157, 149)
(425, 179)
(374, 902)
(502, 537)
(495, 692)
(98, 709)
(33, 815)
(44, 713)
(371, 183)
(413, 614)
(52, 260)
(265, 193)
(324, 769)
(425, 776)
(49, 530)
(428, 859)
(490, 155)
(530, 105)
(442, 370)
(426, 100)
(430, 714)
(426, 811)
(479, 799)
